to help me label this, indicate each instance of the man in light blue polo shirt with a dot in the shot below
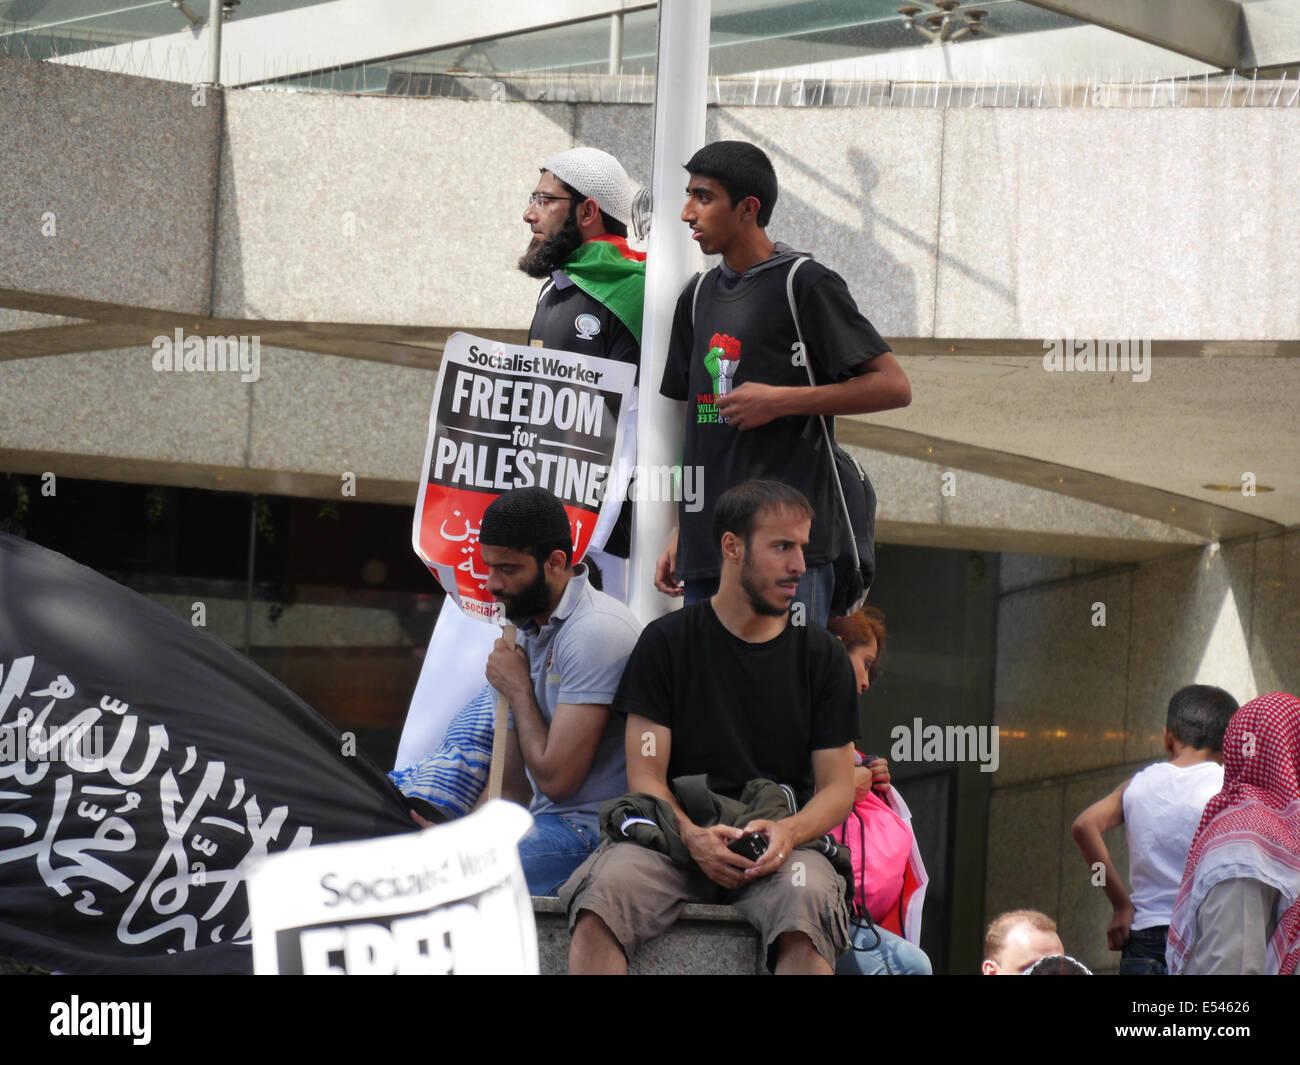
(564, 754)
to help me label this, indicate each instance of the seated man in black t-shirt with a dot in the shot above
(731, 688)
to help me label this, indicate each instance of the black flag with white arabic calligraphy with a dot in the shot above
(143, 766)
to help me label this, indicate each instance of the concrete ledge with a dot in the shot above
(706, 940)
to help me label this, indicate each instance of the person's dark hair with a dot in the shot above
(860, 628)
(612, 225)
(743, 169)
(531, 520)
(738, 508)
(1199, 715)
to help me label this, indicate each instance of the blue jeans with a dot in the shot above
(554, 847)
(814, 591)
(894, 956)
(1144, 953)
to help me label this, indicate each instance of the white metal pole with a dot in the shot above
(681, 82)
(214, 42)
(616, 43)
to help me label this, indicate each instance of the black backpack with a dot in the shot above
(855, 565)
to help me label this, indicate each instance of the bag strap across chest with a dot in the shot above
(812, 380)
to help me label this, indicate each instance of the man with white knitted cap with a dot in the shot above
(592, 301)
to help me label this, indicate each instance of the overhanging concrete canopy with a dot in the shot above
(1208, 30)
(339, 34)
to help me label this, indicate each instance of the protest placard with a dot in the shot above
(508, 417)
(448, 900)
(511, 417)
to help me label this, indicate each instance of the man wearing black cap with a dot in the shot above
(564, 755)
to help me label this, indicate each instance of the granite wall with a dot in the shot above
(976, 222)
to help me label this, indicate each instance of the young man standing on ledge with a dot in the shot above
(730, 688)
(735, 358)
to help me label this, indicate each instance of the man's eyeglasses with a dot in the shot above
(542, 199)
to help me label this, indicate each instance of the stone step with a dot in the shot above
(712, 940)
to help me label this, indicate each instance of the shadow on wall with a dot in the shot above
(884, 285)
(1275, 613)
(889, 283)
(884, 288)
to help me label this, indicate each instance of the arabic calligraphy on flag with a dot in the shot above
(508, 417)
(144, 768)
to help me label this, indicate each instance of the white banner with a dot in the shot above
(448, 900)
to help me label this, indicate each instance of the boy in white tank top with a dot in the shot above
(1161, 807)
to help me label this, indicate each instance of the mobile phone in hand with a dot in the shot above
(751, 846)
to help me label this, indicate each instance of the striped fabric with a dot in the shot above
(453, 777)
(1251, 829)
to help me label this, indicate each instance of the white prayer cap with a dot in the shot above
(597, 175)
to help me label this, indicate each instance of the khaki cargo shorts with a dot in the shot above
(639, 893)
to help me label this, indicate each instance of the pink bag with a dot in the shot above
(880, 842)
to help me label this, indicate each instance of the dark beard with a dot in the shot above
(542, 260)
(756, 601)
(533, 600)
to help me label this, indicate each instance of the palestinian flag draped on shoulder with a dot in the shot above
(606, 269)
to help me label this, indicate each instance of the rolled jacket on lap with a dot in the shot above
(652, 822)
